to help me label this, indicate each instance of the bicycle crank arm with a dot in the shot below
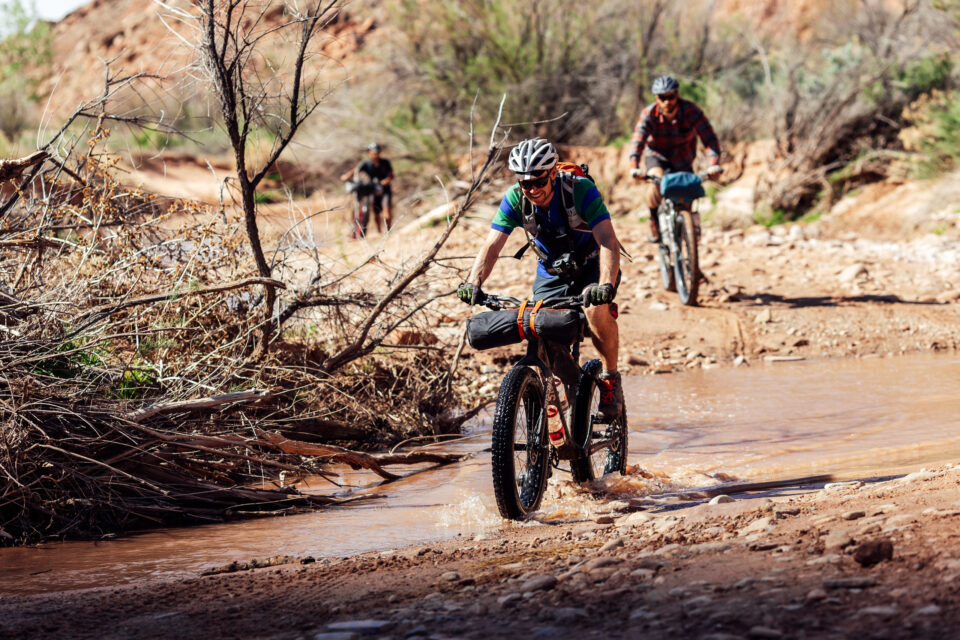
(600, 445)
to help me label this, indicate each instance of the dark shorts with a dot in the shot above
(652, 161)
(556, 286)
(386, 196)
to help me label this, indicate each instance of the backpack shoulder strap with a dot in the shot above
(530, 228)
(566, 196)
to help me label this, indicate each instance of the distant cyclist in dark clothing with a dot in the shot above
(378, 170)
(668, 129)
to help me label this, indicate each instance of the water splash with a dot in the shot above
(472, 511)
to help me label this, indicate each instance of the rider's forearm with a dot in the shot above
(487, 257)
(606, 238)
(483, 265)
(609, 264)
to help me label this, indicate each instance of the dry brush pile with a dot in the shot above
(136, 389)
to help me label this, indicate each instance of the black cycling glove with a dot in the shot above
(470, 293)
(597, 294)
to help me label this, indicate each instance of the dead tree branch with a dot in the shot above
(13, 169)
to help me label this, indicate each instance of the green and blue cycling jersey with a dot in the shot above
(589, 205)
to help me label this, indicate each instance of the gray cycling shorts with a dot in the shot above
(555, 286)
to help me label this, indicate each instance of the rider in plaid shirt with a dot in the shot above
(666, 129)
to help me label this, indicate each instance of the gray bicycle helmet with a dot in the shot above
(373, 146)
(665, 84)
(532, 157)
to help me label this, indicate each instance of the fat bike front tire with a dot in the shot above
(687, 265)
(520, 453)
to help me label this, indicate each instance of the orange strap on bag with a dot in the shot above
(533, 314)
(572, 168)
(523, 306)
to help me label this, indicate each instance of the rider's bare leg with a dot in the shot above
(388, 216)
(606, 335)
(653, 201)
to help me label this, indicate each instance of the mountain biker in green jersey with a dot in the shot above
(569, 228)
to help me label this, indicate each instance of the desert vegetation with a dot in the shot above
(831, 92)
(159, 365)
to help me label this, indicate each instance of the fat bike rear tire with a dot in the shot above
(663, 250)
(520, 453)
(604, 446)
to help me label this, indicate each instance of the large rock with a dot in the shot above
(569, 614)
(611, 545)
(634, 519)
(758, 526)
(853, 273)
(873, 552)
(600, 563)
(837, 539)
(364, 627)
(849, 583)
(538, 583)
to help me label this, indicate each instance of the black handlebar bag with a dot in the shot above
(492, 329)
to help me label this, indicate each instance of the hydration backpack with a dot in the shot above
(568, 172)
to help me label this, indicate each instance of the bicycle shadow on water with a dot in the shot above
(799, 302)
(614, 496)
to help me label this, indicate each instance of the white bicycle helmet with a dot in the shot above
(665, 84)
(531, 157)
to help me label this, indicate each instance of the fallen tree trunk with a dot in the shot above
(198, 404)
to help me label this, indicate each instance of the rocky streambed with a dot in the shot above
(876, 558)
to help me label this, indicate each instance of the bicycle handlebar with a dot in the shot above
(704, 176)
(498, 303)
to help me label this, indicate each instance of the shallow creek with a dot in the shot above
(849, 418)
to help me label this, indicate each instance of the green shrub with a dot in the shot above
(136, 384)
(572, 75)
(25, 55)
(771, 218)
(70, 362)
(942, 147)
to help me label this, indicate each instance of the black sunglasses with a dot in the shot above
(667, 97)
(536, 183)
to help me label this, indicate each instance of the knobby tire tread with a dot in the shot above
(581, 469)
(504, 422)
(667, 277)
(687, 243)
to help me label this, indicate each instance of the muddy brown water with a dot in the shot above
(850, 418)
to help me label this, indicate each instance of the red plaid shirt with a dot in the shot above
(673, 139)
